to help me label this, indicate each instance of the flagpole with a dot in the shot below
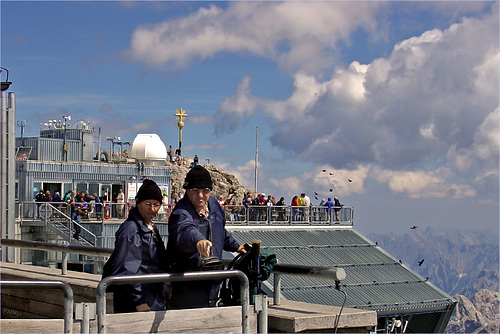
(256, 155)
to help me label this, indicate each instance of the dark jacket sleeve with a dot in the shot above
(128, 258)
(184, 232)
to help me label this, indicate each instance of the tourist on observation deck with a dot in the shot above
(294, 205)
(120, 199)
(139, 250)
(196, 229)
(337, 208)
(170, 153)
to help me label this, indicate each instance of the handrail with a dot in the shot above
(65, 287)
(189, 276)
(65, 248)
(324, 272)
(243, 214)
(46, 205)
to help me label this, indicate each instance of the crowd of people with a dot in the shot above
(301, 207)
(78, 205)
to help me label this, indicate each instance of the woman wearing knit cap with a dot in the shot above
(139, 250)
(196, 228)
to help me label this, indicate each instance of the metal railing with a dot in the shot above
(325, 272)
(65, 287)
(65, 249)
(189, 276)
(235, 214)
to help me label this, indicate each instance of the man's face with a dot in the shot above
(148, 209)
(198, 197)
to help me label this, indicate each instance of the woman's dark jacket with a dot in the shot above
(138, 251)
(185, 229)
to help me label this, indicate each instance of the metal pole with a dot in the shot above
(11, 172)
(64, 264)
(86, 319)
(3, 178)
(262, 316)
(256, 156)
(277, 289)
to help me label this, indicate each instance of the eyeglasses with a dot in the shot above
(203, 190)
(153, 205)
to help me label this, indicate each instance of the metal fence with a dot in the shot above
(332, 273)
(65, 287)
(190, 276)
(235, 214)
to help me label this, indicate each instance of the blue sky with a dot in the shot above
(400, 97)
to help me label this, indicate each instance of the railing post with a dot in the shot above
(277, 289)
(85, 326)
(260, 302)
(64, 264)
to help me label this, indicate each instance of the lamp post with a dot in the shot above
(65, 145)
(22, 125)
(180, 114)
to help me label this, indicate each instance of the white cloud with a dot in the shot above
(431, 105)
(295, 34)
(332, 182)
(244, 173)
(423, 184)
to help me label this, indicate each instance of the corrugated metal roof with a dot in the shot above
(374, 281)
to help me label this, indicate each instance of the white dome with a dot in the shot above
(148, 147)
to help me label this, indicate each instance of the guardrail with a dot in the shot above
(235, 214)
(65, 287)
(333, 273)
(190, 276)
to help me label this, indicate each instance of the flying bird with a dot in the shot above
(413, 227)
(420, 262)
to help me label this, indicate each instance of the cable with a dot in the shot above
(337, 286)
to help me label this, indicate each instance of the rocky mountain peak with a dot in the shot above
(225, 184)
(479, 316)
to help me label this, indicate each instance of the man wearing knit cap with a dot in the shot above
(196, 228)
(139, 250)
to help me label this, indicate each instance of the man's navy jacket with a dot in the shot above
(185, 229)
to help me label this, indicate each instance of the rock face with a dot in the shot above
(225, 184)
(461, 263)
(479, 316)
(458, 262)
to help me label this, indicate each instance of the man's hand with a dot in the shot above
(241, 249)
(143, 308)
(204, 247)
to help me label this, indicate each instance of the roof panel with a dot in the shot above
(374, 280)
